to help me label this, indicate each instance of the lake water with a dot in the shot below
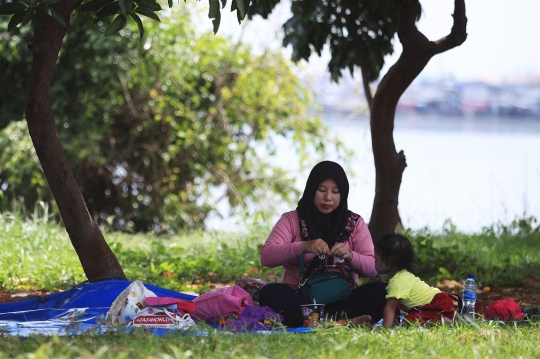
(473, 171)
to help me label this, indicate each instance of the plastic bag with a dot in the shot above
(221, 305)
(256, 318)
(129, 303)
(156, 317)
(130, 309)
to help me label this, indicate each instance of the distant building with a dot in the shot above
(436, 97)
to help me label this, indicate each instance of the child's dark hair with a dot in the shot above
(396, 250)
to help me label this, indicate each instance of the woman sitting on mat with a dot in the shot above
(322, 226)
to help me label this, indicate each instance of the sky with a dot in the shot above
(501, 44)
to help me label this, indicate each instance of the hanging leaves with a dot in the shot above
(107, 11)
(138, 20)
(215, 14)
(95, 5)
(26, 11)
(118, 24)
(143, 10)
(15, 20)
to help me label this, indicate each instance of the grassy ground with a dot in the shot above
(489, 341)
(36, 253)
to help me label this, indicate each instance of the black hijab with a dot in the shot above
(325, 226)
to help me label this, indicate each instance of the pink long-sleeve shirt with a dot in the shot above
(283, 247)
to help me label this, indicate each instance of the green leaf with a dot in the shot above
(268, 5)
(28, 15)
(118, 24)
(107, 11)
(215, 14)
(138, 20)
(152, 5)
(11, 8)
(143, 10)
(170, 3)
(213, 11)
(94, 5)
(123, 7)
(216, 22)
(235, 7)
(48, 2)
(241, 8)
(57, 16)
(15, 20)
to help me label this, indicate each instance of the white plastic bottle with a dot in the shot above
(469, 298)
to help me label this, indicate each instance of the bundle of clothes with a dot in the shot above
(231, 308)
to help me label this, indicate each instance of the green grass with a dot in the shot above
(489, 341)
(500, 256)
(36, 253)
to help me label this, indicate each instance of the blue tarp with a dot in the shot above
(71, 312)
(79, 309)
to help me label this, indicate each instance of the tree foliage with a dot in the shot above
(358, 34)
(158, 131)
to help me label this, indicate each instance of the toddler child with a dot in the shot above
(422, 303)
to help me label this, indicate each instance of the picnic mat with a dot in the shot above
(80, 309)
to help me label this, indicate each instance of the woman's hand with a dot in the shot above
(340, 250)
(316, 246)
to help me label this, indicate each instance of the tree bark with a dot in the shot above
(96, 257)
(389, 164)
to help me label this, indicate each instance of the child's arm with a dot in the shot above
(389, 312)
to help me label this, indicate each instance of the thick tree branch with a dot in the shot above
(389, 165)
(407, 30)
(367, 88)
(458, 34)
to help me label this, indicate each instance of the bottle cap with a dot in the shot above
(470, 276)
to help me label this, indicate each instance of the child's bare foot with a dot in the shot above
(361, 320)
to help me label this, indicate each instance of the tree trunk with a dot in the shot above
(389, 164)
(96, 257)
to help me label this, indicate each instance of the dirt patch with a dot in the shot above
(8, 297)
(525, 297)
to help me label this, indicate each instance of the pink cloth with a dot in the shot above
(283, 247)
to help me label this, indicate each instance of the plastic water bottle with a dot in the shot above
(469, 298)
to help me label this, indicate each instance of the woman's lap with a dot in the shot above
(366, 299)
(285, 301)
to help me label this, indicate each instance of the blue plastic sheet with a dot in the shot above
(72, 312)
(80, 309)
